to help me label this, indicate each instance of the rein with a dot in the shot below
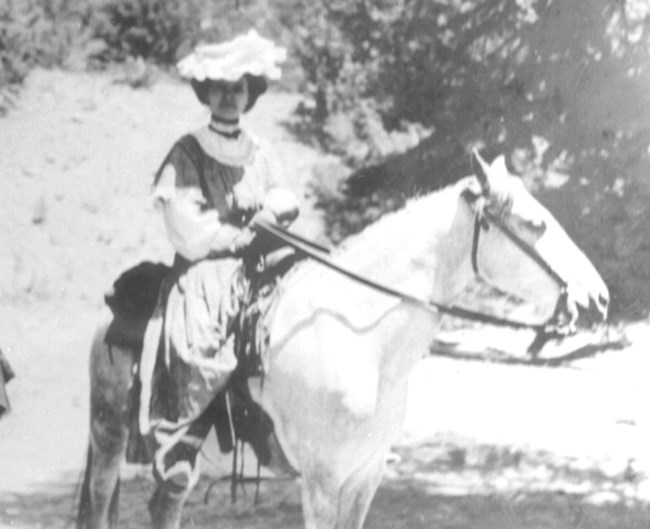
(543, 330)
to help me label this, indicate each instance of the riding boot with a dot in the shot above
(165, 510)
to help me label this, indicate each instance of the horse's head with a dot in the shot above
(521, 249)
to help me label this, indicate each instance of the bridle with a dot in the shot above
(483, 218)
(555, 326)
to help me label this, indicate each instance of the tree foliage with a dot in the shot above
(46, 32)
(37, 32)
(401, 88)
(492, 63)
(560, 87)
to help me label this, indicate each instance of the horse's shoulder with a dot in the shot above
(317, 295)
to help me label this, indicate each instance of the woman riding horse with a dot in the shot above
(340, 352)
(212, 187)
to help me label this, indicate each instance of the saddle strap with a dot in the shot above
(148, 360)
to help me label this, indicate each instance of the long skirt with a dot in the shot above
(196, 355)
(194, 358)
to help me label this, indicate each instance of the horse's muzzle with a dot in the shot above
(570, 317)
(592, 313)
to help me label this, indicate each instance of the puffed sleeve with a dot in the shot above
(279, 197)
(194, 230)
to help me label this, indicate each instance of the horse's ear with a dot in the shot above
(480, 168)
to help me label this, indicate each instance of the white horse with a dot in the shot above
(341, 352)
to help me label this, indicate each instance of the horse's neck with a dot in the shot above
(327, 327)
(424, 249)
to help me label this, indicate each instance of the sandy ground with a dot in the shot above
(485, 445)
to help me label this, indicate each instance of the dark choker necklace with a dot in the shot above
(228, 128)
(230, 135)
(217, 119)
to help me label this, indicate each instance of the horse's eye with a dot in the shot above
(535, 226)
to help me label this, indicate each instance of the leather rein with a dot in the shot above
(545, 331)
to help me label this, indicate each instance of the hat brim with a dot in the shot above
(257, 85)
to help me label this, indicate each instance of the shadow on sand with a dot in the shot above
(436, 486)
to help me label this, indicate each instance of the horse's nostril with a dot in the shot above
(603, 300)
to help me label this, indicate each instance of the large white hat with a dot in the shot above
(231, 60)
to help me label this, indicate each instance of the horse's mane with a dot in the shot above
(394, 230)
(405, 223)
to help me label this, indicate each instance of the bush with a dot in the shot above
(151, 29)
(560, 87)
(99, 32)
(453, 65)
(403, 62)
(163, 31)
(37, 32)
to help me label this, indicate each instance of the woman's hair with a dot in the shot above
(256, 87)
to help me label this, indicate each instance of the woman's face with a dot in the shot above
(228, 99)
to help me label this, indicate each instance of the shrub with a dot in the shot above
(558, 86)
(36, 32)
(151, 29)
(162, 31)
(100, 32)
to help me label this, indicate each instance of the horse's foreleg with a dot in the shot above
(357, 493)
(320, 497)
(330, 505)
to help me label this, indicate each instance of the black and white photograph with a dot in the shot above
(337, 264)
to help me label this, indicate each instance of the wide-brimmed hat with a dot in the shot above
(249, 55)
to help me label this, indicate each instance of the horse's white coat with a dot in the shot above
(341, 353)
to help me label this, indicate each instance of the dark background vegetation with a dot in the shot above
(402, 88)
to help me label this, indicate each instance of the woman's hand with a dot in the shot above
(242, 241)
(283, 204)
(263, 215)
